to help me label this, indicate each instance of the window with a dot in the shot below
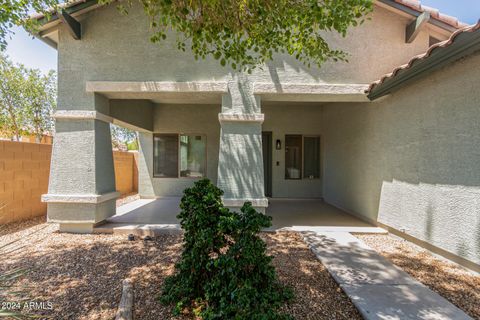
(311, 159)
(302, 157)
(293, 157)
(177, 155)
(192, 156)
(165, 155)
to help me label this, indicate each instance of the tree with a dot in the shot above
(12, 98)
(123, 137)
(245, 34)
(41, 102)
(240, 34)
(16, 13)
(27, 100)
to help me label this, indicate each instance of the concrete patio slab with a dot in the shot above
(138, 229)
(148, 211)
(379, 289)
(352, 229)
(311, 213)
(158, 216)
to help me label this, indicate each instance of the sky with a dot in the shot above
(33, 53)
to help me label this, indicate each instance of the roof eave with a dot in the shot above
(50, 24)
(461, 45)
(73, 8)
(405, 9)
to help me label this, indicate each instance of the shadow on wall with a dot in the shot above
(150, 60)
(243, 168)
(446, 216)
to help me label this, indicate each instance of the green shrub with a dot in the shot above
(224, 271)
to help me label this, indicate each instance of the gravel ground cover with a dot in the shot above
(127, 198)
(81, 275)
(453, 282)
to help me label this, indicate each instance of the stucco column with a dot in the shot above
(240, 163)
(81, 189)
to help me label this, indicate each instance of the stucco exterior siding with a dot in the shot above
(412, 160)
(291, 118)
(117, 48)
(188, 119)
(203, 119)
(396, 160)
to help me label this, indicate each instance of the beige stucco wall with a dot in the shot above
(412, 159)
(193, 119)
(117, 48)
(292, 118)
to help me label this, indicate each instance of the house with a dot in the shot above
(402, 152)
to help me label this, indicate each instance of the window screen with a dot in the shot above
(192, 155)
(165, 155)
(293, 157)
(311, 155)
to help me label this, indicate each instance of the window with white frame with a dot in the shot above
(179, 155)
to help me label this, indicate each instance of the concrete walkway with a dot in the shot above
(379, 289)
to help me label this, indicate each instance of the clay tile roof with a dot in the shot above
(419, 58)
(434, 13)
(65, 5)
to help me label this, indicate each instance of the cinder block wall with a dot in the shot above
(126, 176)
(24, 170)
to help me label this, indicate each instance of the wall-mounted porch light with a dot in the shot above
(278, 144)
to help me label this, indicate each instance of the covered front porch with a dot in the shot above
(145, 216)
(237, 133)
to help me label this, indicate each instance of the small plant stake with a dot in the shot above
(125, 307)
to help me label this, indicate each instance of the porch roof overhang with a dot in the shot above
(161, 91)
(211, 92)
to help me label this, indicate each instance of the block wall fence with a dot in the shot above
(24, 172)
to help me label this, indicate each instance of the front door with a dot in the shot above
(267, 162)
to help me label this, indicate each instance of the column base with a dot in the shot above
(79, 213)
(76, 227)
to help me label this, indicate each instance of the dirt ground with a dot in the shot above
(453, 282)
(81, 275)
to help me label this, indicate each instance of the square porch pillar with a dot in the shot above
(240, 166)
(81, 190)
